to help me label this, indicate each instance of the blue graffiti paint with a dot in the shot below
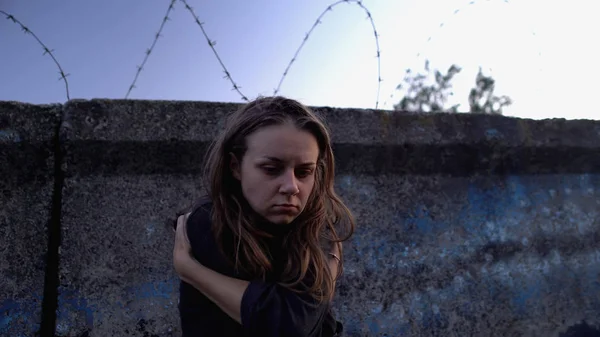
(493, 134)
(8, 310)
(423, 222)
(377, 252)
(377, 309)
(373, 326)
(483, 219)
(526, 297)
(159, 289)
(351, 327)
(433, 320)
(401, 329)
(495, 212)
(26, 313)
(347, 182)
(367, 193)
(71, 301)
(500, 211)
(150, 230)
(9, 135)
(73, 304)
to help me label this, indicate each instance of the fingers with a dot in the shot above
(181, 219)
(180, 229)
(181, 239)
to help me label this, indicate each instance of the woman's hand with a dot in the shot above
(334, 260)
(182, 250)
(225, 292)
(336, 248)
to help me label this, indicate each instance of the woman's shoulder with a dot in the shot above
(202, 239)
(200, 212)
(199, 226)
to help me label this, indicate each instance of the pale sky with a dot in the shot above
(541, 52)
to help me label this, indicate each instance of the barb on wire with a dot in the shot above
(317, 22)
(63, 75)
(212, 44)
(442, 24)
(149, 50)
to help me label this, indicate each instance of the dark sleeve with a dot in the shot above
(202, 241)
(198, 231)
(270, 310)
(204, 246)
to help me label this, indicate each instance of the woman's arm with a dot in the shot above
(334, 260)
(263, 308)
(224, 291)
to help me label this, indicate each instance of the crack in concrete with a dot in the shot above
(51, 279)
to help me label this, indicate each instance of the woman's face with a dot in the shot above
(277, 172)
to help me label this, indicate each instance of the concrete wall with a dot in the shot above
(467, 225)
(27, 166)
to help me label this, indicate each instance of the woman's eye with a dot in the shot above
(271, 170)
(304, 173)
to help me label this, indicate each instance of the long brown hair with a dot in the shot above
(317, 228)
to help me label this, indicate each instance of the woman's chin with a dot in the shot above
(281, 219)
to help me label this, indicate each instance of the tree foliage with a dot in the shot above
(424, 95)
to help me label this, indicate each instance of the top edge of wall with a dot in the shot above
(158, 120)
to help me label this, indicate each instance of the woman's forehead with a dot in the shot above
(278, 153)
(283, 144)
(281, 136)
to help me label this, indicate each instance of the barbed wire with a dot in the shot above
(440, 26)
(317, 22)
(149, 50)
(47, 50)
(212, 44)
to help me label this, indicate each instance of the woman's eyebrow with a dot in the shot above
(275, 159)
(278, 160)
(308, 164)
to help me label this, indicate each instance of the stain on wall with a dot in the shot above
(19, 318)
(109, 316)
(496, 255)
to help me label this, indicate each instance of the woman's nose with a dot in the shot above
(289, 184)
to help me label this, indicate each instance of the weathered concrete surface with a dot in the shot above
(467, 225)
(116, 274)
(472, 256)
(164, 134)
(26, 186)
(116, 268)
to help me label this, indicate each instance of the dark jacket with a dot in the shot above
(267, 309)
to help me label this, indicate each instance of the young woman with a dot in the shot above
(260, 254)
